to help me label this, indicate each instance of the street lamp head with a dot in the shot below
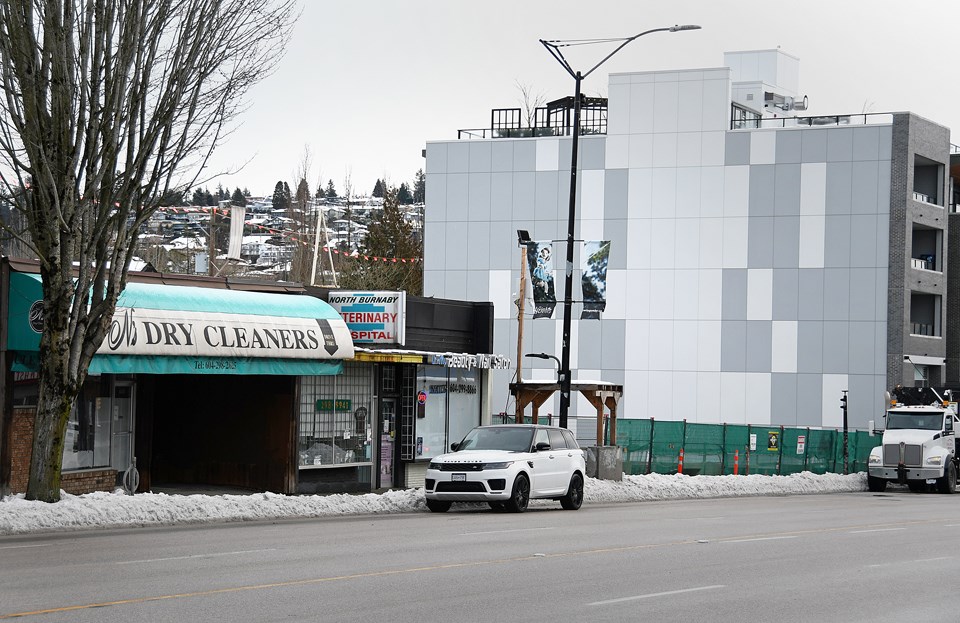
(523, 236)
(538, 355)
(680, 27)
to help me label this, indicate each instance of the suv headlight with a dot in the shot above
(503, 465)
(433, 465)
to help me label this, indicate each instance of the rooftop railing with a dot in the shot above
(816, 121)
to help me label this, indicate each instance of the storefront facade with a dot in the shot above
(419, 380)
(197, 380)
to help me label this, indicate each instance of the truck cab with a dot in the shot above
(919, 445)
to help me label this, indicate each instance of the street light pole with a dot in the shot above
(553, 47)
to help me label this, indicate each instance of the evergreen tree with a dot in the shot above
(391, 237)
(303, 194)
(403, 195)
(208, 199)
(378, 189)
(331, 191)
(420, 187)
(238, 199)
(246, 191)
(198, 199)
(280, 201)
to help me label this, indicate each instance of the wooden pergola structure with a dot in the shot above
(599, 394)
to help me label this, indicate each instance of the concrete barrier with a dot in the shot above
(604, 462)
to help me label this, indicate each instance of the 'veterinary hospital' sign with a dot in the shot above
(372, 317)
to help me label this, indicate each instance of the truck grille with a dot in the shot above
(912, 455)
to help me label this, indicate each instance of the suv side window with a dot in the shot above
(557, 441)
(571, 440)
(541, 436)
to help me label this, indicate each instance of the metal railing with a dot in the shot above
(815, 121)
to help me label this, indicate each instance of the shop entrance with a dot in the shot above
(388, 438)
(121, 446)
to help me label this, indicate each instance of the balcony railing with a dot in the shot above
(919, 328)
(822, 120)
(922, 263)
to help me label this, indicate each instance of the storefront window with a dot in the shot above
(335, 413)
(450, 402)
(87, 443)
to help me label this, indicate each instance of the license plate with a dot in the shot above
(458, 477)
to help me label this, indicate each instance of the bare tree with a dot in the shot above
(530, 101)
(107, 106)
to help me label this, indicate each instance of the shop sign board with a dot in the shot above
(374, 317)
(469, 362)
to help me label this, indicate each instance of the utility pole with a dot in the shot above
(843, 406)
(520, 307)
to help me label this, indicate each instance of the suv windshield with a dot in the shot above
(924, 421)
(496, 438)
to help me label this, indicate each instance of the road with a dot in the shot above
(840, 557)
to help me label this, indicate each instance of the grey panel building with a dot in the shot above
(762, 261)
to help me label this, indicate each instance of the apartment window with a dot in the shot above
(926, 246)
(741, 118)
(927, 180)
(925, 314)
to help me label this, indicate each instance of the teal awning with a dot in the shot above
(163, 329)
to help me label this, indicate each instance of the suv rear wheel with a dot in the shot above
(574, 497)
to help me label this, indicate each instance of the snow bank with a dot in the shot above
(114, 510)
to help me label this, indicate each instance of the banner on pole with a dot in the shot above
(593, 271)
(540, 261)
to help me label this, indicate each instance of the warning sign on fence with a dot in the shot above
(773, 440)
(801, 443)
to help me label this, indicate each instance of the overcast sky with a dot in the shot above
(366, 83)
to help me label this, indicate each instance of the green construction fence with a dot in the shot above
(651, 446)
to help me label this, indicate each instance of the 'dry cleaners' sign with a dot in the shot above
(372, 317)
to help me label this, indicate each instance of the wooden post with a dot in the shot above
(520, 307)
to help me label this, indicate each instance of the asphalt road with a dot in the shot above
(841, 557)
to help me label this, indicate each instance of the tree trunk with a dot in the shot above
(53, 412)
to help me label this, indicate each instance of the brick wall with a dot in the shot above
(21, 448)
(85, 481)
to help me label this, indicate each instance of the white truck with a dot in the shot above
(919, 446)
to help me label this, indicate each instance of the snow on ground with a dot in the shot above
(114, 510)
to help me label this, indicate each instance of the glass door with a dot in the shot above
(388, 435)
(121, 446)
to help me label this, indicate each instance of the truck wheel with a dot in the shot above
(877, 485)
(948, 482)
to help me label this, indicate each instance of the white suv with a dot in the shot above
(506, 466)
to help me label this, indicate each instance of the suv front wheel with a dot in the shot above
(520, 496)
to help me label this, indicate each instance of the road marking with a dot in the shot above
(505, 531)
(663, 594)
(907, 562)
(24, 546)
(214, 555)
(875, 530)
(759, 538)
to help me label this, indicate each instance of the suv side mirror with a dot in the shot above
(542, 445)
(454, 446)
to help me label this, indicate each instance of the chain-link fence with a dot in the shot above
(654, 446)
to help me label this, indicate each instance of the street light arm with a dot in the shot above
(637, 36)
(555, 52)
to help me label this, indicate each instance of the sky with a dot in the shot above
(364, 85)
(116, 509)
